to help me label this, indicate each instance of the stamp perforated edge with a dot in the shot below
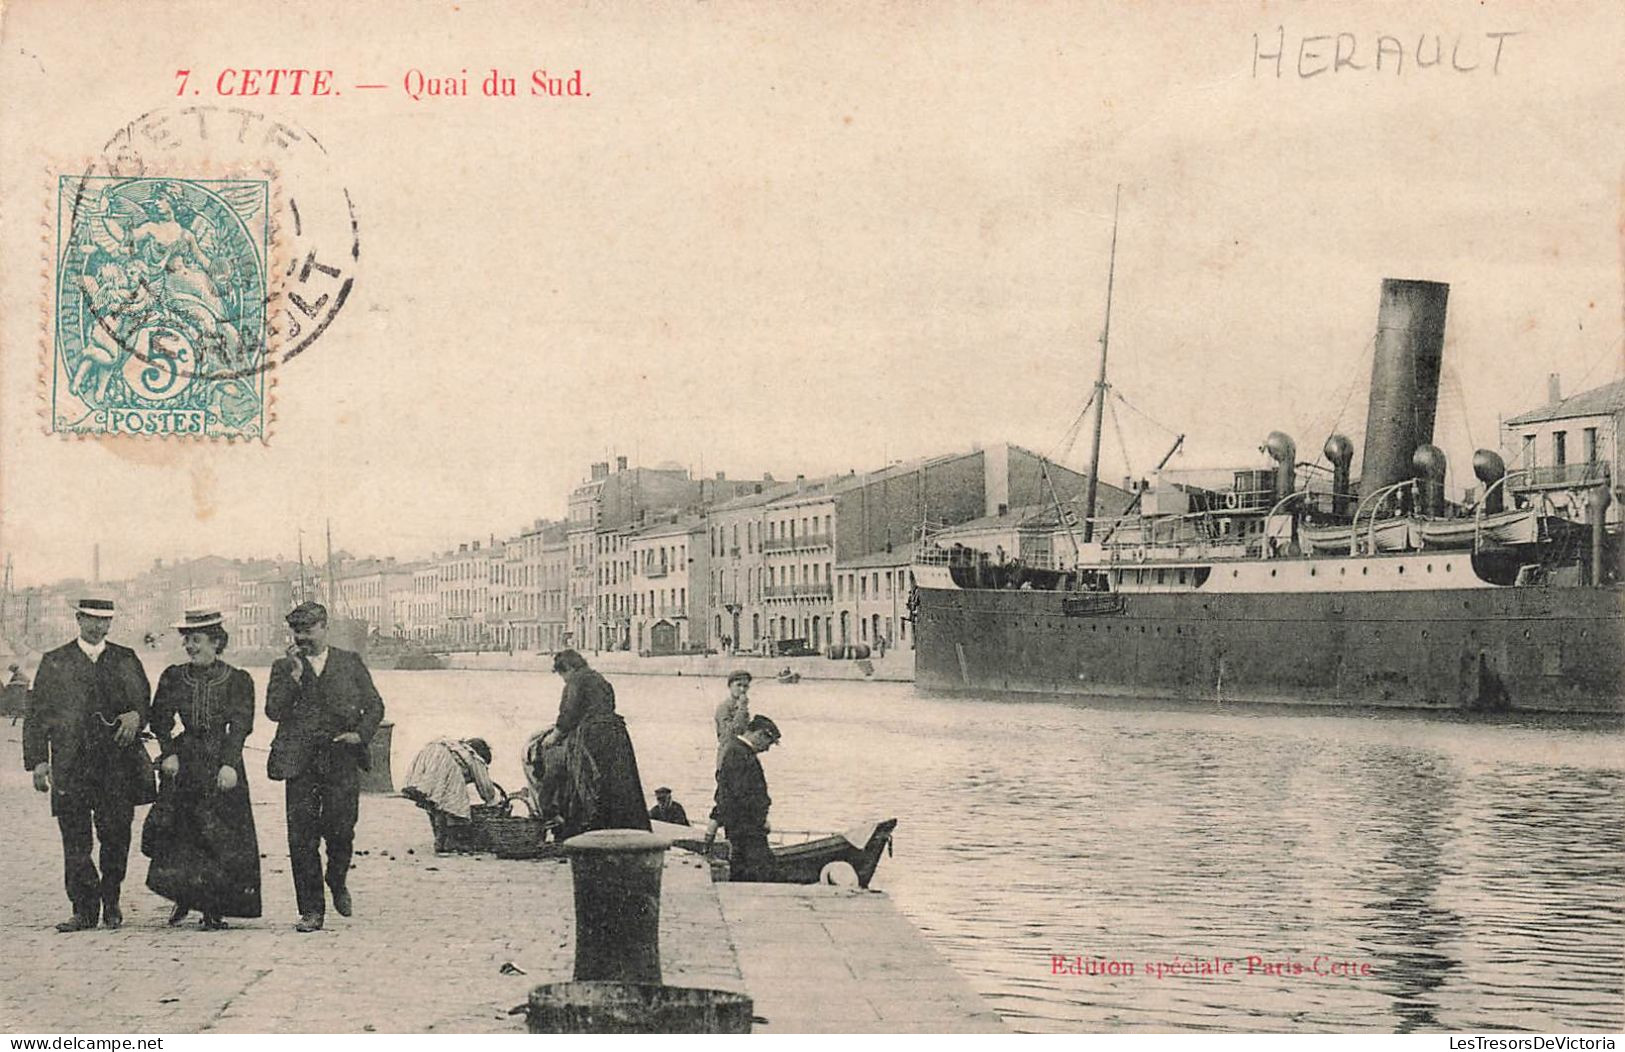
(277, 268)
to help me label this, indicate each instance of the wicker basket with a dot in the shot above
(510, 835)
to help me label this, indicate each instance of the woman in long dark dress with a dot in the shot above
(200, 835)
(601, 788)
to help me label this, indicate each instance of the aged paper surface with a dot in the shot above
(510, 241)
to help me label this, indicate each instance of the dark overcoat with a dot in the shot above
(309, 713)
(742, 800)
(70, 723)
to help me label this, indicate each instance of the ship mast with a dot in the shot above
(1100, 383)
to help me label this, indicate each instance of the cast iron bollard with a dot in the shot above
(617, 891)
(378, 778)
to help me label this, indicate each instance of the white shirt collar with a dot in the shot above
(94, 653)
(319, 661)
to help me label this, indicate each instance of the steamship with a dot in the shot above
(1298, 584)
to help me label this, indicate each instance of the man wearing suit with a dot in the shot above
(742, 802)
(326, 709)
(91, 698)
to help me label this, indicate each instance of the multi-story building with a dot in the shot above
(424, 622)
(464, 582)
(582, 616)
(263, 602)
(374, 591)
(871, 599)
(496, 615)
(553, 572)
(736, 532)
(1568, 443)
(799, 545)
(664, 613)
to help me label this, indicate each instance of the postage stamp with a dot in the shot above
(162, 292)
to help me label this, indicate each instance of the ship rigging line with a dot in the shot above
(1117, 425)
(1142, 414)
(1070, 438)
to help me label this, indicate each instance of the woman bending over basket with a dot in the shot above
(438, 782)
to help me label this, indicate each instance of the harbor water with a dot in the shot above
(1093, 865)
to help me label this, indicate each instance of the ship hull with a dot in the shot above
(1535, 649)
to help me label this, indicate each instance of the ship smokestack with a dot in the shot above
(1404, 380)
(1340, 451)
(1490, 469)
(1284, 452)
(1429, 464)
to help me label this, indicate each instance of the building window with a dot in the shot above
(1560, 448)
(1528, 456)
(1590, 445)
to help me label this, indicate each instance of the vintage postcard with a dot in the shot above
(899, 517)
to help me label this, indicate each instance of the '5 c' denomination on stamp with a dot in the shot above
(162, 287)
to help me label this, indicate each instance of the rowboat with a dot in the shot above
(805, 861)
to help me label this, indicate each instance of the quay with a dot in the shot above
(438, 943)
(896, 667)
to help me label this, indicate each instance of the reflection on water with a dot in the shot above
(1476, 873)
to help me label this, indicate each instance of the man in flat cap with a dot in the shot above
(326, 709)
(666, 809)
(91, 699)
(742, 802)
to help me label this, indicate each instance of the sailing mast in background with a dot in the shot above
(1100, 383)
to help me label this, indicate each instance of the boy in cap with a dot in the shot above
(733, 713)
(91, 699)
(326, 709)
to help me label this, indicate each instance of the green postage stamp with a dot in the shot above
(162, 294)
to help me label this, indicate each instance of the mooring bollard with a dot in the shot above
(617, 890)
(378, 778)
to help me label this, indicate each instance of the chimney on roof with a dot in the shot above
(722, 476)
(1554, 387)
(801, 483)
(463, 547)
(620, 463)
(767, 476)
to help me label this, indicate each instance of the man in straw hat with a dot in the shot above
(80, 738)
(326, 709)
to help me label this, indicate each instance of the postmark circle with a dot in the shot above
(316, 223)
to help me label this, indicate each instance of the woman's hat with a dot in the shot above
(193, 620)
(94, 607)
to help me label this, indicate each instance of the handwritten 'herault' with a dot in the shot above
(1310, 56)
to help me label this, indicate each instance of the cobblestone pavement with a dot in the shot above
(422, 954)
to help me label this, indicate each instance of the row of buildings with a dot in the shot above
(648, 559)
(651, 559)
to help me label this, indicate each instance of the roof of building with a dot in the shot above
(1028, 515)
(751, 500)
(1599, 401)
(668, 528)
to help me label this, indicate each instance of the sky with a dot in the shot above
(814, 238)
